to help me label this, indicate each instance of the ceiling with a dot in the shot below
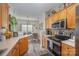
(32, 9)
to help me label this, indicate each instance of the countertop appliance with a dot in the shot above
(15, 34)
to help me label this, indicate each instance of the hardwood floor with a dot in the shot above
(35, 49)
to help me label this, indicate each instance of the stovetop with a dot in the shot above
(57, 39)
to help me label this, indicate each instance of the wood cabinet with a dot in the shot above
(23, 45)
(20, 48)
(67, 50)
(14, 51)
(4, 15)
(44, 42)
(47, 22)
(54, 17)
(62, 14)
(71, 16)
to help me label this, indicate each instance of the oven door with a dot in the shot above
(50, 45)
(56, 49)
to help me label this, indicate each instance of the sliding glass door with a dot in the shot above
(26, 28)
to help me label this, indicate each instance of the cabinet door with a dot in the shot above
(23, 45)
(54, 17)
(45, 43)
(64, 50)
(71, 16)
(62, 14)
(14, 51)
(47, 22)
(67, 50)
(5, 15)
(71, 51)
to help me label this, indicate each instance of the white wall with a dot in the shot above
(37, 23)
(34, 23)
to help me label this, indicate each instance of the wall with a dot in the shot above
(38, 23)
(34, 23)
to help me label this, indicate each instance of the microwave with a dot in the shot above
(60, 24)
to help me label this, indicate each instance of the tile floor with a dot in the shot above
(35, 50)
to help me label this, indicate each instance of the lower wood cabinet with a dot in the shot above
(67, 50)
(23, 45)
(20, 48)
(14, 51)
(44, 42)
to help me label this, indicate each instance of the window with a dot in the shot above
(26, 28)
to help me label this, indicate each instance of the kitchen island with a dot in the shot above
(14, 46)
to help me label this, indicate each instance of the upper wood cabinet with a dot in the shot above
(68, 14)
(4, 15)
(54, 17)
(50, 20)
(62, 14)
(71, 16)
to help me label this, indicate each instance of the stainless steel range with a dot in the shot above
(55, 47)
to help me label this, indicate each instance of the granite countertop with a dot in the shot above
(70, 42)
(10, 43)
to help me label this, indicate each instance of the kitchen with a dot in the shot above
(54, 33)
